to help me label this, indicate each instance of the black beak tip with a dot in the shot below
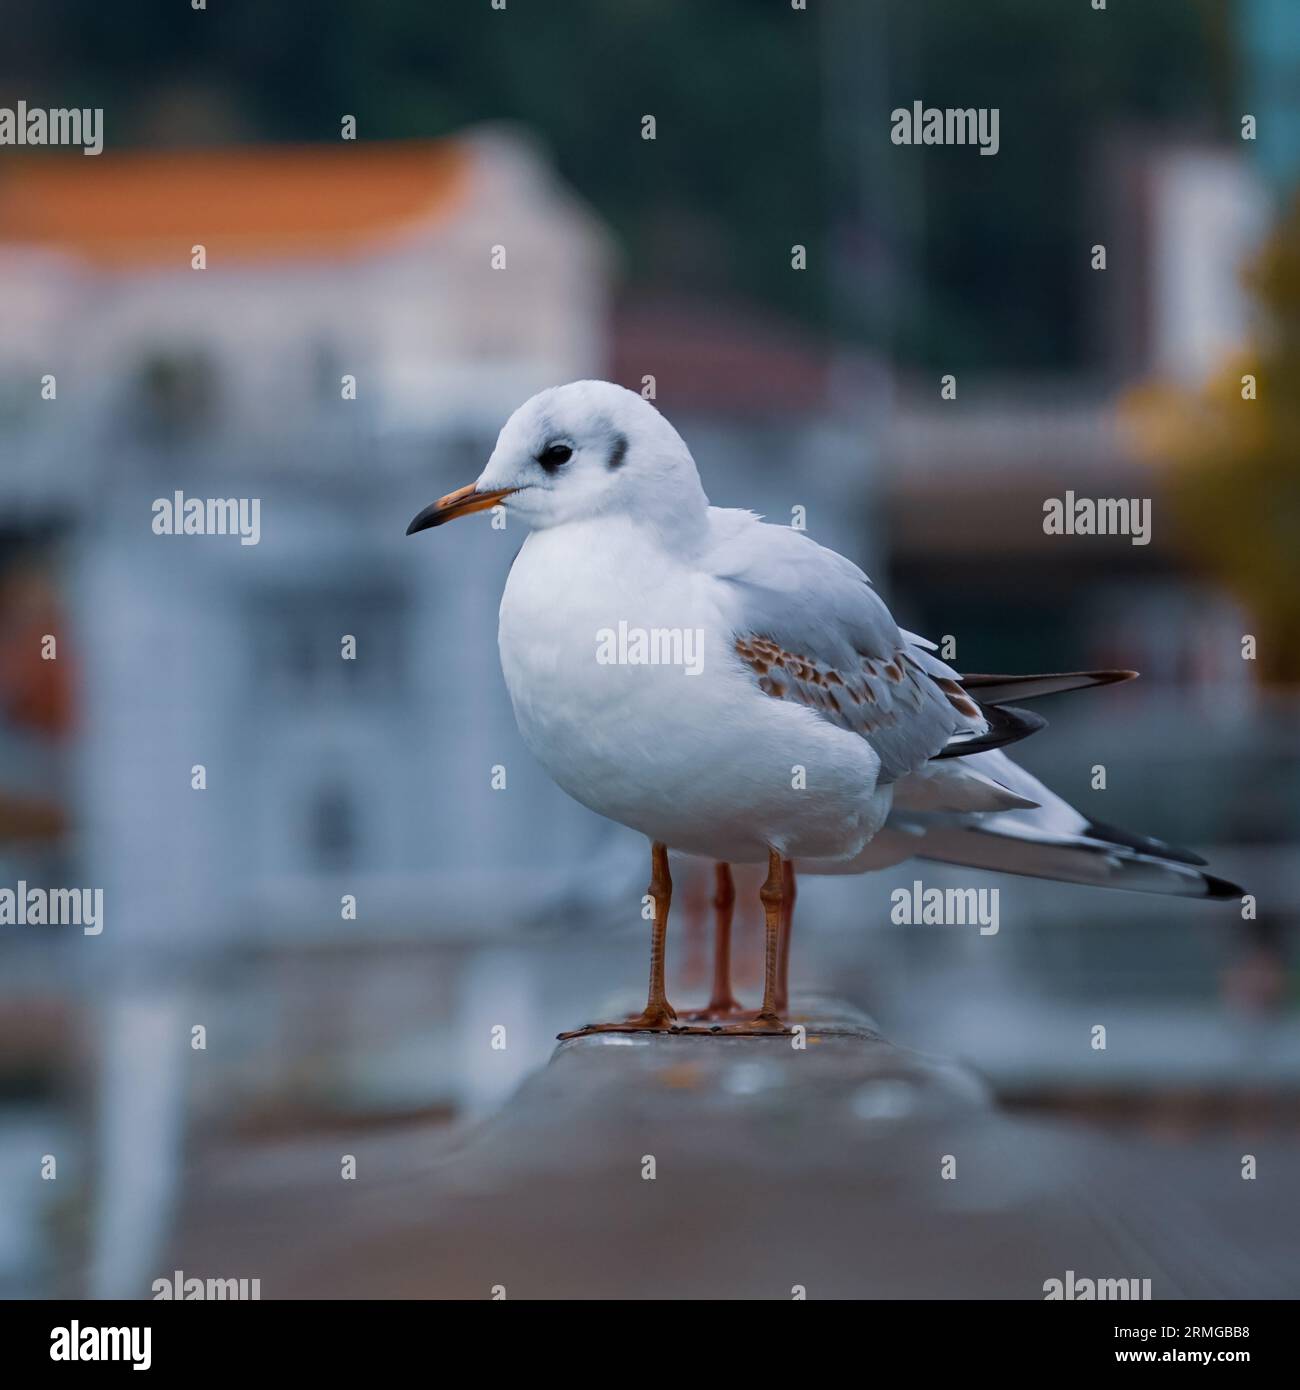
(423, 520)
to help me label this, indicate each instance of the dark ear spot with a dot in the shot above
(617, 450)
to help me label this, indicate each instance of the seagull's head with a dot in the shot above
(580, 452)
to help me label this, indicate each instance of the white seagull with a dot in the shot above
(733, 690)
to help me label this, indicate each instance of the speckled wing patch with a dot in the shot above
(877, 696)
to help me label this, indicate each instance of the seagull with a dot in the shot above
(735, 691)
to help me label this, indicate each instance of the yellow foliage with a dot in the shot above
(1230, 466)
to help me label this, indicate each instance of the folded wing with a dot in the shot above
(809, 627)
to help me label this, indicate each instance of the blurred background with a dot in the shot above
(663, 264)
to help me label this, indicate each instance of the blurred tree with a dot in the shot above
(992, 246)
(1232, 464)
(755, 107)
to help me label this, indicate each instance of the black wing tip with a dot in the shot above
(1222, 888)
(1007, 724)
(1144, 844)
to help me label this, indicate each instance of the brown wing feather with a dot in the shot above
(864, 700)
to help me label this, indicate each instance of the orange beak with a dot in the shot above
(459, 503)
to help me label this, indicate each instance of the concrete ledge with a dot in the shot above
(666, 1166)
(842, 1067)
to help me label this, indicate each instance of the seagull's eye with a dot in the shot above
(554, 455)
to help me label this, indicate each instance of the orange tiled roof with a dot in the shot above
(124, 208)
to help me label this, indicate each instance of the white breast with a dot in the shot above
(600, 628)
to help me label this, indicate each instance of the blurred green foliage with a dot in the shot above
(773, 128)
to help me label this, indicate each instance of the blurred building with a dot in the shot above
(365, 319)
(1176, 224)
(968, 479)
(447, 280)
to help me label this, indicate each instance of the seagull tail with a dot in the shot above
(1103, 863)
(1048, 840)
(994, 690)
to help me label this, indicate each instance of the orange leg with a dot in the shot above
(658, 1015)
(767, 1019)
(722, 1003)
(788, 894)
